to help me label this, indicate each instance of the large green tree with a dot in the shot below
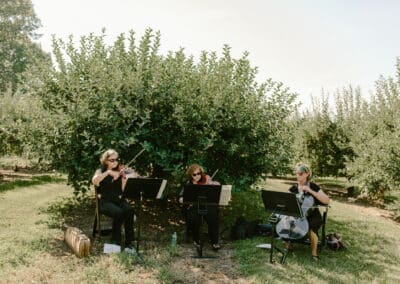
(127, 96)
(18, 25)
(375, 140)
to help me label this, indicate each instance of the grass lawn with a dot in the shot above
(32, 247)
(372, 254)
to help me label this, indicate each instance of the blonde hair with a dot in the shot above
(303, 168)
(104, 157)
(191, 169)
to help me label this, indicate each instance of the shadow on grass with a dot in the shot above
(36, 180)
(157, 220)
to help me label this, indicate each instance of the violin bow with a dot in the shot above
(213, 175)
(134, 158)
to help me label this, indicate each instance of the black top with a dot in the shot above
(110, 189)
(313, 186)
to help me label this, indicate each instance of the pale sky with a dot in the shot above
(306, 44)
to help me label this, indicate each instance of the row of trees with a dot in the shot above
(211, 111)
(355, 138)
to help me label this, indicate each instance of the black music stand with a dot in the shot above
(202, 196)
(281, 203)
(139, 189)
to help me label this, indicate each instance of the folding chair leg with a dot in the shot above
(95, 226)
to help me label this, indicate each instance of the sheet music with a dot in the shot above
(111, 248)
(225, 196)
(161, 190)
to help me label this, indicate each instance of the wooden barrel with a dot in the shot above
(77, 241)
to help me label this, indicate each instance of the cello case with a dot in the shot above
(295, 228)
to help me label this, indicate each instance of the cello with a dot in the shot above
(296, 228)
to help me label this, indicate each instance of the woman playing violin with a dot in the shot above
(304, 187)
(110, 182)
(195, 175)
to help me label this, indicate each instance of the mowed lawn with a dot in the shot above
(33, 252)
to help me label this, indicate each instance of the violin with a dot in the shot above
(124, 169)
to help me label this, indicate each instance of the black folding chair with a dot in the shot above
(97, 219)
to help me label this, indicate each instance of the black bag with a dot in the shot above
(334, 242)
(243, 229)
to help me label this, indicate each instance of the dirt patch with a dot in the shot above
(371, 211)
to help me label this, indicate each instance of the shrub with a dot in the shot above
(129, 97)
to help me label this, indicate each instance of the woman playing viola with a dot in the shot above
(305, 187)
(195, 175)
(110, 182)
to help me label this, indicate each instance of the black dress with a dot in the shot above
(194, 221)
(112, 205)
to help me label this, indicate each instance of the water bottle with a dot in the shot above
(174, 239)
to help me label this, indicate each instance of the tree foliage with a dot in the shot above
(24, 127)
(359, 139)
(18, 23)
(376, 140)
(127, 96)
(320, 140)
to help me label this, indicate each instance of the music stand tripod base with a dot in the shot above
(273, 220)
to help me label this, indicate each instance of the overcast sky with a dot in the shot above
(306, 44)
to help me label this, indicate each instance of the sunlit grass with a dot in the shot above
(372, 253)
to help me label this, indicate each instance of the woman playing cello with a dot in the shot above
(305, 187)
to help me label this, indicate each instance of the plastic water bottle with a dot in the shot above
(174, 239)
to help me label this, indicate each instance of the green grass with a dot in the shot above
(32, 247)
(372, 253)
